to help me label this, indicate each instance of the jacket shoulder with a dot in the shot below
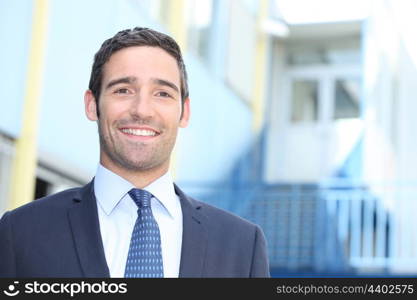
(55, 201)
(224, 217)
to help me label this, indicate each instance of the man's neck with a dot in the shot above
(139, 179)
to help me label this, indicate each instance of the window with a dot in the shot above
(329, 52)
(241, 50)
(42, 188)
(199, 27)
(346, 97)
(50, 180)
(304, 101)
(324, 79)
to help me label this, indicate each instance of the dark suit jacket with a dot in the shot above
(59, 236)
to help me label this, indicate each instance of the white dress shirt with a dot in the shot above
(117, 214)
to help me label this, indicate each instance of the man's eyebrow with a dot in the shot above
(166, 83)
(113, 82)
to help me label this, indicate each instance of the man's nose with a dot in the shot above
(142, 106)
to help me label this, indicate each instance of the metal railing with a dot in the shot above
(341, 227)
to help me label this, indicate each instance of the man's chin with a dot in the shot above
(140, 166)
(142, 160)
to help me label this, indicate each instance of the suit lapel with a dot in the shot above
(85, 227)
(194, 237)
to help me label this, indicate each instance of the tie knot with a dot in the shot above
(142, 198)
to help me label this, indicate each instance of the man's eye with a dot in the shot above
(162, 94)
(122, 91)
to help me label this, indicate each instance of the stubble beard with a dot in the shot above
(135, 157)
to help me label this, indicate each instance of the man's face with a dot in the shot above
(140, 109)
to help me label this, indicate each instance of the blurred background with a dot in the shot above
(303, 117)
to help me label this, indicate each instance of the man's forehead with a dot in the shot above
(135, 61)
(143, 52)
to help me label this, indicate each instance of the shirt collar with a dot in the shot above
(110, 188)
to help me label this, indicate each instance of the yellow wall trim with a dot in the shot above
(258, 101)
(25, 161)
(178, 30)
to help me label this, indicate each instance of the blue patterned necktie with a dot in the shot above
(144, 259)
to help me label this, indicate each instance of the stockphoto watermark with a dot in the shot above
(67, 288)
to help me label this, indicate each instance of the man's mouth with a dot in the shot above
(140, 132)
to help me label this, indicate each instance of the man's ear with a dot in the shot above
(185, 113)
(90, 106)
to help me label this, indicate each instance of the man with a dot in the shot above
(131, 220)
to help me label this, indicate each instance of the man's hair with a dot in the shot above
(137, 36)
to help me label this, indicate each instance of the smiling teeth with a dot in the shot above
(139, 132)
